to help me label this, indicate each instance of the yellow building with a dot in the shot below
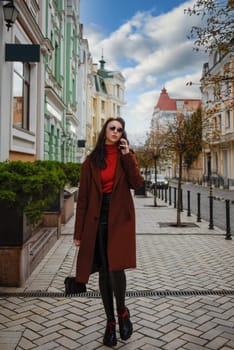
(107, 99)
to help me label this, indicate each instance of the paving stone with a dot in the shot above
(189, 330)
(168, 327)
(26, 344)
(212, 333)
(50, 330)
(193, 339)
(171, 335)
(217, 343)
(47, 339)
(167, 259)
(47, 346)
(67, 342)
(175, 344)
(192, 346)
(30, 335)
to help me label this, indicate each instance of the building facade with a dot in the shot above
(39, 109)
(61, 120)
(217, 86)
(165, 111)
(53, 99)
(107, 98)
(22, 82)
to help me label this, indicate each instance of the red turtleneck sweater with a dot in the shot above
(107, 174)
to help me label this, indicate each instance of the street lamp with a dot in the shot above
(211, 222)
(10, 13)
(155, 157)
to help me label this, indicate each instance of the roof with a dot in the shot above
(165, 103)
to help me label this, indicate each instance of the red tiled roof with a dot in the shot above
(165, 103)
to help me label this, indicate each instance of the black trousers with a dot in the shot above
(112, 284)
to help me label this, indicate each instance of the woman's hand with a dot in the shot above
(77, 242)
(124, 146)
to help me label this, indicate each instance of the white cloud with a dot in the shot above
(138, 114)
(151, 52)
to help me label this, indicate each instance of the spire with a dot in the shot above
(165, 102)
(102, 62)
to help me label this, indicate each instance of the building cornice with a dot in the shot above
(31, 27)
(51, 94)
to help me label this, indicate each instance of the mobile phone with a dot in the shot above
(121, 145)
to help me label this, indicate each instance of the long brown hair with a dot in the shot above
(98, 155)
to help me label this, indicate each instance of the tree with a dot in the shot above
(144, 158)
(215, 36)
(155, 150)
(216, 33)
(180, 138)
(191, 154)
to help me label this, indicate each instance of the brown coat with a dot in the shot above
(121, 248)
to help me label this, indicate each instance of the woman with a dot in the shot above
(105, 222)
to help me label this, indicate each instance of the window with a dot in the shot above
(118, 90)
(219, 121)
(217, 92)
(228, 120)
(57, 63)
(103, 107)
(21, 91)
(215, 123)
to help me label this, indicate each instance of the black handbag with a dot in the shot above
(72, 287)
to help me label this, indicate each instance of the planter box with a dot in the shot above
(14, 227)
(68, 208)
(52, 216)
(52, 219)
(17, 263)
(57, 205)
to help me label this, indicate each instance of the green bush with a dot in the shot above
(72, 172)
(30, 187)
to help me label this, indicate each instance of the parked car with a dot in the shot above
(162, 182)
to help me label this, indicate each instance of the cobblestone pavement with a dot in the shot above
(181, 296)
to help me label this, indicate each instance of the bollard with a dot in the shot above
(162, 193)
(169, 195)
(174, 197)
(228, 227)
(211, 223)
(165, 195)
(198, 207)
(188, 199)
(181, 200)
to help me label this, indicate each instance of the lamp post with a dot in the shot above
(10, 13)
(155, 157)
(211, 223)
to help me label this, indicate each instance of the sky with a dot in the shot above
(147, 41)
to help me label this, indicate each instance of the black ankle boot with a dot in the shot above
(110, 335)
(125, 325)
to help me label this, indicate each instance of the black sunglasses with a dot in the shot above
(113, 128)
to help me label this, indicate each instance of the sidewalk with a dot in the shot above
(181, 296)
